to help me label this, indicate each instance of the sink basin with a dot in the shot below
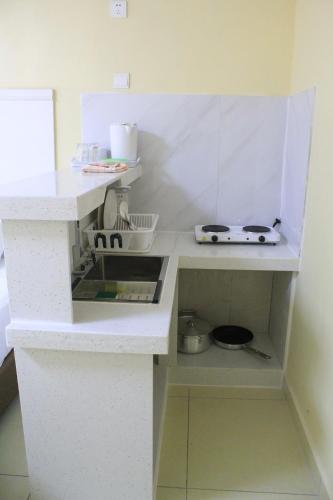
(122, 278)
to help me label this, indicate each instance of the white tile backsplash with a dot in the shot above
(251, 300)
(212, 158)
(250, 173)
(227, 297)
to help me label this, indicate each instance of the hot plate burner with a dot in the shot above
(256, 229)
(237, 234)
(215, 229)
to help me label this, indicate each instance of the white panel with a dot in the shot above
(88, 421)
(206, 158)
(26, 133)
(26, 94)
(297, 152)
(251, 158)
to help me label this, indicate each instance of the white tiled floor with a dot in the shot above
(240, 444)
(219, 444)
(14, 483)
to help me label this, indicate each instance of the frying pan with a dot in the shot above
(236, 337)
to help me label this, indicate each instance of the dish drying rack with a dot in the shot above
(120, 239)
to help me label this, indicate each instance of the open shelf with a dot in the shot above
(257, 300)
(215, 357)
(218, 366)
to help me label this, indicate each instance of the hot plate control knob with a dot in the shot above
(214, 238)
(262, 239)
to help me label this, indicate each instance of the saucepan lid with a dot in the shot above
(196, 326)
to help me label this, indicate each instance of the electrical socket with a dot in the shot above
(119, 8)
(121, 81)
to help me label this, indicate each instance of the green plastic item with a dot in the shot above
(106, 295)
(114, 160)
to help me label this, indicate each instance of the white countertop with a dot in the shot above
(102, 327)
(192, 255)
(60, 195)
(144, 328)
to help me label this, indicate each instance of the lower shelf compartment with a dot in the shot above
(218, 366)
(215, 357)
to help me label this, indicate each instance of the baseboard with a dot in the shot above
(292, 401)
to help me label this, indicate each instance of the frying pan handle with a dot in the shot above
(255, 351)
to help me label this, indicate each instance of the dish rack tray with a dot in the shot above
(122, 240)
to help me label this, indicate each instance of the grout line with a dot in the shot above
(239, 399)
(177, 397)
(172, 487)
(13, 475)
(302, 495)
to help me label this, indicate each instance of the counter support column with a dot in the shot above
(88, 423)
(38, 270)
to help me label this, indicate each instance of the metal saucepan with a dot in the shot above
(236, 337)
(194, 334)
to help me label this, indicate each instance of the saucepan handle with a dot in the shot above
(255, 351)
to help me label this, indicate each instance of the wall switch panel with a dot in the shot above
(119, 8)
(121, 81)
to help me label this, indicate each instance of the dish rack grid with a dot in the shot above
(120, 239)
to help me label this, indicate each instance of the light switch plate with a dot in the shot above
(119, 8)
(121, 81)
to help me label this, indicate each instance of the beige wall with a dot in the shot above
(310, 365)
(227, 46)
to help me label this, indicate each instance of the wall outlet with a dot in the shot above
(119, 8)
(121, 81)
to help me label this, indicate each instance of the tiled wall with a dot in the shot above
(228, 297)
(206, 158)
(210, 158)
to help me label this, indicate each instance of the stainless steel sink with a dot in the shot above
(119, 278)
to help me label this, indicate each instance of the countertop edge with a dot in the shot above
(60, 206)
(24, 338)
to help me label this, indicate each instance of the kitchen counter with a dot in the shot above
(64, 195)
(192, 255)
(105, 327)
(144, 328)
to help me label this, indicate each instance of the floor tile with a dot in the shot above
(171, 494)
(235, 393)
(323, 493)
(14, 488)
(246, 445)
(178, 391)
(236, 495)
(12, 450)
(173, 462)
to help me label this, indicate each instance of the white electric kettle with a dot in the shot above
(124, 141)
